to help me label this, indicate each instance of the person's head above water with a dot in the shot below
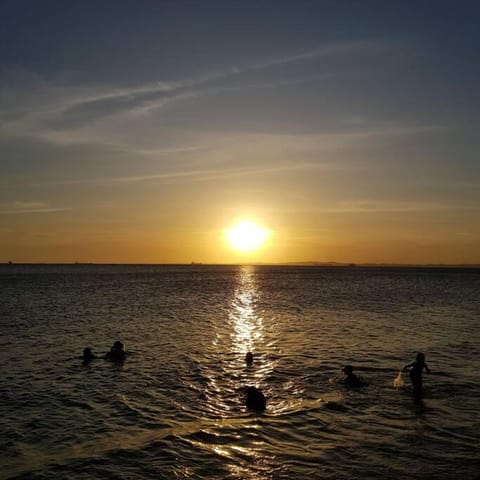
(420, 357)
(255, 399)
(87, 354)
(249, 358)
(117, 352)
(350, 378)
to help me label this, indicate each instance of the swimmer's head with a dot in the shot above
(420, 357)
(118, 346)
(347, 369)
(249, 358)
(255, 399)
(87, 354)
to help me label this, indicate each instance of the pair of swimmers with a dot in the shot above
(415, 369)
(116, 354)
(254, 399)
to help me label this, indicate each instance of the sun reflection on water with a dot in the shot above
(242, 329)
(247, 325)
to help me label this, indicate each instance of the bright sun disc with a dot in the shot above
(246, 236)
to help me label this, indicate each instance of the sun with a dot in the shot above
(246, 236)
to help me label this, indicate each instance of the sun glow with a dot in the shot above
(246, 236)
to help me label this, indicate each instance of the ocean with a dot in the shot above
(175, 408)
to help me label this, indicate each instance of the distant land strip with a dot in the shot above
(282, 264)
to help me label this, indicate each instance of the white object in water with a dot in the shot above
(398, 382)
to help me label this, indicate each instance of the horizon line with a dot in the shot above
(232, 264)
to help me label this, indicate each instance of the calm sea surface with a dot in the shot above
(174, 409)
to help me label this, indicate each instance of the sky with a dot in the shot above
(139, 131)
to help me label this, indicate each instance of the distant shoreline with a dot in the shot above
(287, 264)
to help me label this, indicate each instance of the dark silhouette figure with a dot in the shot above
(117, 353)
(416, 371)
(88, 355)
(249, 358)
(350, 379)
(255, 399)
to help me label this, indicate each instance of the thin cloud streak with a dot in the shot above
(193, 175)
(57, 101)
(22, 207)
(386, 206)
(155, 105)
(328, 50)
(34, 210)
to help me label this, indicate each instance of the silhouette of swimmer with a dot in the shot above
(88, 355)
(116, 353)
(416, 370)
(249, 358)
(350, 379)
(255, 399)
(335, 406)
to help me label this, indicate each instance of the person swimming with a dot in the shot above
(350, 379)
(249, 358)
(88, 355)
(416, 373)
(255, 399)
(117, 352)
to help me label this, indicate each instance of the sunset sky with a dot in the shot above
(140, 131)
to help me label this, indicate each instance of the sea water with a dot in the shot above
(175, 408)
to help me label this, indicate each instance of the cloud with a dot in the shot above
(393, 206)
(192, 175)
(22, 207)
(32, 105)
(60, 132)
(336, 49)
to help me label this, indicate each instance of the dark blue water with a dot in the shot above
(175, 408)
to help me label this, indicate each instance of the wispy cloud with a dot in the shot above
(336, 49)
(48, 106)
(187, 176)
(393, 206)
(20, 207)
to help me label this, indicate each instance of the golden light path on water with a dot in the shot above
(250, 331)
(247, 326)
(248, 335)
(245, 330)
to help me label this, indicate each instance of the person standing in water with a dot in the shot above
(416, 373)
